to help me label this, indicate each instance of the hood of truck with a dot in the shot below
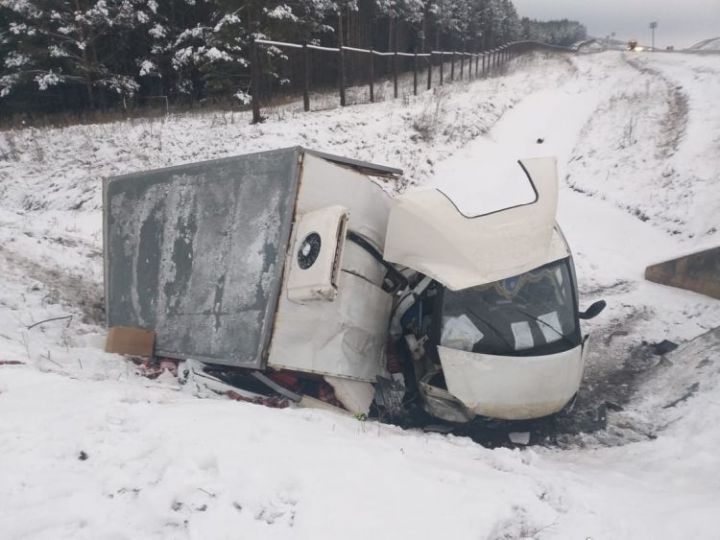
(428, 233)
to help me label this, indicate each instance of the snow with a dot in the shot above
(147, 67)
(164, 463)
(712, 44)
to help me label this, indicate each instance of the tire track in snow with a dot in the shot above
(624, 151)
(674, 124)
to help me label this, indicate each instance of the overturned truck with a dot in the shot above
(294, 273)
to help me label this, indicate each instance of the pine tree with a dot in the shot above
(76, 42)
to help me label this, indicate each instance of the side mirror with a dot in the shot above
(593, 311)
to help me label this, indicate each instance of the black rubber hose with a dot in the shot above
(396, 277)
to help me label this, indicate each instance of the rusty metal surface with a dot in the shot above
(699, 272)
(196, 253)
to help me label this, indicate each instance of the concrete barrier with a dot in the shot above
(699, 272)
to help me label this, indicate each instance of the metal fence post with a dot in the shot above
(255, 76)
(415, 69)
(452, 66)
(341, 77)
(395, 73)
(306, 77)
(442, 63)
(372, 76)
(429, 68)
(462, 62)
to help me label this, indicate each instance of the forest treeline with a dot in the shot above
(79, 55)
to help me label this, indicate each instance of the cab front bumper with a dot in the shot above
(504, 387)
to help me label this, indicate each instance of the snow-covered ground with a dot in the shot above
(638, 142)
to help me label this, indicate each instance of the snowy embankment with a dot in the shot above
(637, 141)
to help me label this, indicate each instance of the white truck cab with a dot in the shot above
(505, 339)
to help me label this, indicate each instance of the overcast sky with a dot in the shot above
(680, 22)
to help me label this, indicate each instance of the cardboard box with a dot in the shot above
(130, 341)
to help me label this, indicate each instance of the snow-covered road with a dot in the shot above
(637, 141)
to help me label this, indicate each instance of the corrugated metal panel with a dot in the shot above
(196, 253)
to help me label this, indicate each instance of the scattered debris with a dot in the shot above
(82, 456)
(130, 341)
(687, 395)
(64, 317)
(664, 347)
(613, 406)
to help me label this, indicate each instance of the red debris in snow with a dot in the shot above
(326, 393)
(169, 364)
(286, 379)
(11, 363)
(152, 369)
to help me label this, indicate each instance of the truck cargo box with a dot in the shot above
(200, 254)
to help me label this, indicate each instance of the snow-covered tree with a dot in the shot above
(89, 53)
(211, 53)
(561, 32)
(62, 42)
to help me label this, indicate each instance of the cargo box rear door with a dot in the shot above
(196, 253)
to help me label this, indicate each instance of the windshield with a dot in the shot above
(530, 314)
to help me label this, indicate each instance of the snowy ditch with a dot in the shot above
(637, 140)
